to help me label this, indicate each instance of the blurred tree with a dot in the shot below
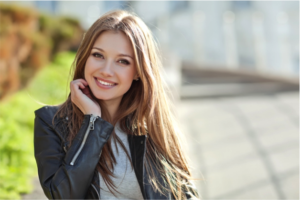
(29, 40)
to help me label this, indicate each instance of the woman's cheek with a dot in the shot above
(92, 63)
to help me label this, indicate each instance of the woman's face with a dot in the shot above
(110, 68)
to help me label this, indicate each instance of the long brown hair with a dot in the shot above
(144, 106)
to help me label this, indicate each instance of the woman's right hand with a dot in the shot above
(82, 98)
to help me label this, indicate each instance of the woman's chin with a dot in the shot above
(105, 98)
(101, 98)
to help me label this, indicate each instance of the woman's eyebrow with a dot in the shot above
(126, 55)
(118, 55)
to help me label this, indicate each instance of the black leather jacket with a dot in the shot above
(70, 173)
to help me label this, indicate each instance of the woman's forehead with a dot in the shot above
(114, 42)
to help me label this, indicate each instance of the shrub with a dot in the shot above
(29, 40)
(17, 161)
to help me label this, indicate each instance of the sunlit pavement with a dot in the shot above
(244, 147)
(37, 193)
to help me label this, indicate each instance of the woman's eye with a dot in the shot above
(97, 55)
(125, 62)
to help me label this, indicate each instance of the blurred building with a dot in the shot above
(255, 35)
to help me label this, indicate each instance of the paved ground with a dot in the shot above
(37, 193)
(243, 147)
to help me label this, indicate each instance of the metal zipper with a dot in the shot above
(90, 127)
(96, 191)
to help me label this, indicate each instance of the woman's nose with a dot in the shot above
(107, 69)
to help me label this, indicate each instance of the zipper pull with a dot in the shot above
(92, 120)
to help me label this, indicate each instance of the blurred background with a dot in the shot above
(232, 68)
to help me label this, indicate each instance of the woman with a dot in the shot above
(114, 137)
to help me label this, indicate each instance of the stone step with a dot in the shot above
(232, 89)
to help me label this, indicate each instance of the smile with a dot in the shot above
(104, 85)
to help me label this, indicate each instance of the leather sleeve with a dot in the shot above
(58, 178)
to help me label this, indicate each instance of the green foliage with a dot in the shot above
(29, 41)
(17, 161)
(62, 30)
(55, 77)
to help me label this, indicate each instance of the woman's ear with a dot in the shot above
(136, 77)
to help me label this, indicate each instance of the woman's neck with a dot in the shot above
(112, 107)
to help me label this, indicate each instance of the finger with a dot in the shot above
(77, 84)
(81, 85)
(77, 81)
(85, 81)
(82, 81)
(87, 92)
(86, 89)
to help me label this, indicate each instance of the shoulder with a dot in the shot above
(46, 113)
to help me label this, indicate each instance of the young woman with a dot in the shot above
(114, 137)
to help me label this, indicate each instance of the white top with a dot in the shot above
(125, 181)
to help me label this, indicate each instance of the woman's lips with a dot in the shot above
(104, 86)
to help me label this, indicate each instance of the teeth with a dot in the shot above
(104, 83)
